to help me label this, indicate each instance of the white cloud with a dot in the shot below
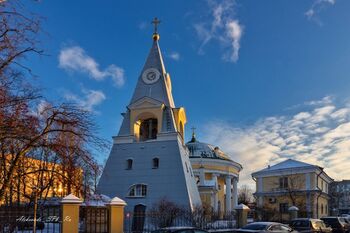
(222, 27)
(320, 136)
(316, 8)
(175, 56)
(75, 59)
(89, 100)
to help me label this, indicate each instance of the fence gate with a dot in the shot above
(94, 219)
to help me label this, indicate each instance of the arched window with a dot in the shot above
(148, 129)
(155, 163)
(138, 190)
(129, 164)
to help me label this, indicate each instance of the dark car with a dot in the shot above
(179, 230)
(265, 227)
(338, 224)
(310, 225)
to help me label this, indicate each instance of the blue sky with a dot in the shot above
(244, 70)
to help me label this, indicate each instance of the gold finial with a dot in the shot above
(155, 21)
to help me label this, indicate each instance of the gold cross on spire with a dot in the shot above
(193, 130)
(155, 21)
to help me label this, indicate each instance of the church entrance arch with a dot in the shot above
(138, 219)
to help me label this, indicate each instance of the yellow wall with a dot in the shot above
(54, 174)
(271, 185)
(180, 117)
(224, 168)
(296, 181)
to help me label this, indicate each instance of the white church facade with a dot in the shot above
(150, 160)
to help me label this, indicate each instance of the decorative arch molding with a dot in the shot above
(143, 109)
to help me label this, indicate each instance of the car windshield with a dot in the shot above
(255, 226)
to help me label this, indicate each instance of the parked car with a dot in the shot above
(179, 230)
(265, 227)
(310, 225)
(338, 224)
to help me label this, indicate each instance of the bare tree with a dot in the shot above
(30, 126)
(245, 194)
(18, 36)
(23, 134)
(164, 212)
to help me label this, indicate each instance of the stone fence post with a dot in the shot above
(116, 215)
(242, 215)
(293, 212)
(70, 214)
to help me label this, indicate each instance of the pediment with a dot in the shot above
(146, 102)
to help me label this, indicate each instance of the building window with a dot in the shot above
(155, 163)
(283, 182)
(129, 164)
(283, 208)
(321, 208)
(138, 190)
(148, 129)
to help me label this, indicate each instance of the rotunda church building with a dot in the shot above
(216, 175)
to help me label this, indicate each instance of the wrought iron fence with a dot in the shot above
(147, 222)
(94, 219)
(20, 218)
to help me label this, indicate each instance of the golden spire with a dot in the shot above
(155, 36)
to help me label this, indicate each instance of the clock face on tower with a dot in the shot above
(150, 76)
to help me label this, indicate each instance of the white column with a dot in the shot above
(228, 194)
(235, 192)
(215, 178)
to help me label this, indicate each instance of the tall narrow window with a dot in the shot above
(148, 129)
(155, 162)
(129, 164)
